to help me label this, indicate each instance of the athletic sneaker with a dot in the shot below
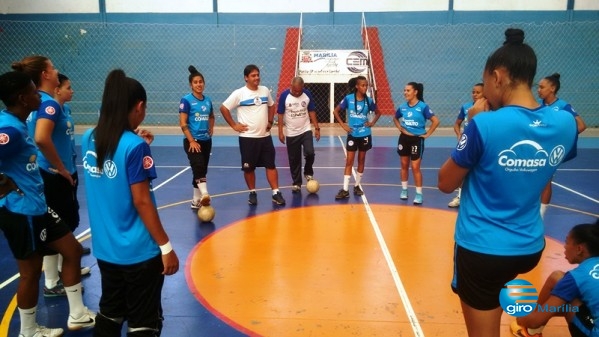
(296, 189)
(195, 204)
(358, 191)
(253, 198)
(418, 199)
(58, 290)
(42, 331)
(342, 194)
(308, 177)
(205, 200)
(519, 331)
(404, 194)
(85, 271)
(277, 198)
(87, 320)
(454, 203)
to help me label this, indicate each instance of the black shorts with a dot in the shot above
(583, 323)
(29, 234)
(412, 146)
(478, 278)
(61, 196)
(257, 152)
(354, 144)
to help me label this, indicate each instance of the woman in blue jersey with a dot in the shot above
(53, 132)
(577, 291)
(477, 92)
(547, 91)
(196, 118)
(358, 124)
(29, 226)
(410, 119)
(133, 250)
(503, 160)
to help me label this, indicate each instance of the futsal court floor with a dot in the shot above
(365, 266)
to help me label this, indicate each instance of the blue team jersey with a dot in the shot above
(582, 283)
(66, 109)
(357, 114)
(509, 167)
(560, 104)
(18, 157)
(62, 135)
(413, 118)
(198, 112)
(463, 114)
(118, 234)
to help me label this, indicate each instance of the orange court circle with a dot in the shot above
(321, 271)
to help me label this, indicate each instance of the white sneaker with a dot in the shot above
(85, 271)
(87, 320)
(42, 331)
(308, 177)
(195, 204)
(205, 200)
(454, 203)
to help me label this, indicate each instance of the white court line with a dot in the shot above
(387, 254)
(87, 231)
(575, 192)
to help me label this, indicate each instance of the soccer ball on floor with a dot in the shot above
(312, 186)
(206, 213)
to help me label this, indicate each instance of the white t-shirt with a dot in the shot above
(252, 109)
(295, 112)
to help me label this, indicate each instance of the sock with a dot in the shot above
(59, 265)
(253, 190)
(543, 210)
(196, 194)
(28, 323)
(459, 192)
(75, 298)
(275, 191)
(346, 183)
(203, 188)
(359, 178)
(51, 270)
(419, 189)
(404, 185)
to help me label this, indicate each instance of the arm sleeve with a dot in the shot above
(428, 113)
(470, 147)
(398, 113)
(311, 105)
(282, 99)
(11, 142)
(566, 288)
(140, 164)
(49, 109)
(184, 106)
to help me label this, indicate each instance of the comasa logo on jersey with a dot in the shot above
(50, 110)
(529, 156)
(32, 164)
(4, 138)
(89, 164)
(595, 272)
(148, 162)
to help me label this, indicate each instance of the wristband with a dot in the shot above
(166, 248)
(317, 129)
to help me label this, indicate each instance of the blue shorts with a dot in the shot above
(257, 152)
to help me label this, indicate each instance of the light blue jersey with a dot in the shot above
(511, 154)
(62, 135)
(560, 104)
(413, 118)
(198, 113)
(118, 234)
(66, 109)
(18, 161)
(582, 283)
(357, 114)
(463, 114)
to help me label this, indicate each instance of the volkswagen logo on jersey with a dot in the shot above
(109, 169)
(357, 62)
(462, 142)
(557, 155)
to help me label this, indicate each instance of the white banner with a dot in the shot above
(333, 63)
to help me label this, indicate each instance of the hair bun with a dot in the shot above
(192, 70)
(556, 76)
(514, 36)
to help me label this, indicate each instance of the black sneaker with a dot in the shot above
(342, 194)
(358, 191)
(253, 199)
(278, 199)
